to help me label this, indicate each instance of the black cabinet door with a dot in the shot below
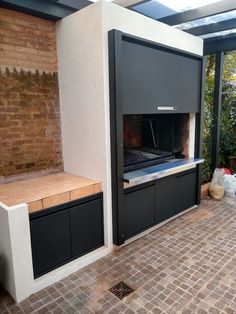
(153, 78)
(165, 194)
(50, 239)
(175, 193)
(86, 227)
(139, 210)
(185, 190)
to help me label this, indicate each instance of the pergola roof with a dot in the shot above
(214, 21)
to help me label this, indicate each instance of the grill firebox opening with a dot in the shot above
(153, 139)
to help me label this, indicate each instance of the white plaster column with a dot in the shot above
(16, 269)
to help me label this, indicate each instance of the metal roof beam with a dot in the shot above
(199, 13)
(75, 4)
(219, 43)
(212, 28)
(52, 10)
(217, 110)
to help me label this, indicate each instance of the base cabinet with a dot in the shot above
(139, 210)
(185, 190)
(145, 206)
(165, 205)
(65, 232)
(175, 194)
(50, 240)
(86, 227)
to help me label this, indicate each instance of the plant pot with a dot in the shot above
(204, 190)
(232, 162)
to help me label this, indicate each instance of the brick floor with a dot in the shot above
(187, 266)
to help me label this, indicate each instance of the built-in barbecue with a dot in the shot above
(155, 106)
(154, 139)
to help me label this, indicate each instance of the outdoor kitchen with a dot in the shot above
(123, 147)
(117, 156)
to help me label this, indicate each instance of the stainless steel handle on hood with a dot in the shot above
(167, 108)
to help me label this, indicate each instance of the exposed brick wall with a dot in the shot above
(132, 131)
(30, 135)
(27, 42)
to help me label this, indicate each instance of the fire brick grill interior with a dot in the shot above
(154, 139)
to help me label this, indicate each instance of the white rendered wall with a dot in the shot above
(6, 263)
(192, 130)
(82, 40)
(127, 21)
(85, 129)
(16, 268)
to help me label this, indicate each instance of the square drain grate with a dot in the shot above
(121, 290)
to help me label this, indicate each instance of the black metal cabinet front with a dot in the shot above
(86, 227)
(139, 210)
(64, 232)
(157, 80)
(185, 190)
(147, 78)
(50, 240)
(175, 194)
(165, 193)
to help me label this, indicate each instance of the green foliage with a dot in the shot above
(228, 114)
(208, 109)
(228, 123)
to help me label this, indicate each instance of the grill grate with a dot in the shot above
(121, 290)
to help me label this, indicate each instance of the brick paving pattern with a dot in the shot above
(187, 266)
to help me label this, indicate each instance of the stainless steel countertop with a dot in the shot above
(159, 171)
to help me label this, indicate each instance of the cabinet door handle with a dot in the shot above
(168, 108)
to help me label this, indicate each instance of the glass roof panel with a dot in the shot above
(157, 9)
(231, 31)
(208, 20)
(184, 5)
(153, 9)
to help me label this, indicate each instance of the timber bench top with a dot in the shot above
(47, 191)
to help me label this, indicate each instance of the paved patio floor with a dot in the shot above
(186, 266)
